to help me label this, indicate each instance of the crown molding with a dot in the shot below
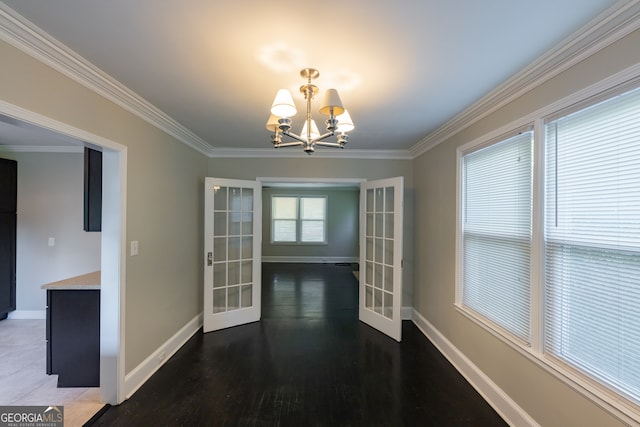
(613, 24)
(27, 37)
(296, 152)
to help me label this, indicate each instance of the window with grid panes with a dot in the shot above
(298, 219)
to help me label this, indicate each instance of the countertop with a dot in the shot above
(86, 281)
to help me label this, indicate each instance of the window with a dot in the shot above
(496, 233)
(592, 241)
(558, 274)
(298, 219)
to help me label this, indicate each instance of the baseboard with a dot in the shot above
(406, 313)
(509, 410)
(141, 373)
(28, 314)
(310, 259)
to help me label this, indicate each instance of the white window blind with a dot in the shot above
(496, 233)
(312, 215)
(592, 241)
(284, 214)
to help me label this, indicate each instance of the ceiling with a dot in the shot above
(403, 68)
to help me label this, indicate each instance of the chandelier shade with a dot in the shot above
(345, 124)
(331, 100)
(314, 129)
(283, 108)
(283, 105)
(272, 123)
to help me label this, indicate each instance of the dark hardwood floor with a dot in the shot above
(308, 362)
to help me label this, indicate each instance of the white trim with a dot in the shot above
(141, 373)
(406, 313)
(610, 26)
(506, 407)
(310, 259)
(113, 283)
(45, 122)
(41, 149)
(27, 314)
(266, 180)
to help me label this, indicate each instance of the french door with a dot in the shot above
(381, 214)
(232, 272)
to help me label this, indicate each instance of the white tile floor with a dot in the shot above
(23, 378)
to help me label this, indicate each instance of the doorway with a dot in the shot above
(112, 261)
(380, 227)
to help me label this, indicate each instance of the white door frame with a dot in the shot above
(113, 247)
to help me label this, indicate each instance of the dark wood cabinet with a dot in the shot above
(8, 222)
(73, 337)
(92, 190)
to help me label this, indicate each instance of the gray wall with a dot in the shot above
(343, 206)
(548, 400)
(164, 204)
(50, 204)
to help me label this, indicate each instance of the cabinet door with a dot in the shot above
(7, 263)
(8, 205)
(92, 190)
(74, 337)
(8, 185)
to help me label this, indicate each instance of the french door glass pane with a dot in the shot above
(220, 199)
(234, 248)
(219, 249)
(388, 305)
(220, 300)
(220, 224)
(219, 275)
(246, 296)
(368, 297)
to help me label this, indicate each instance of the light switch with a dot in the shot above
(52, 241)
(134, 247)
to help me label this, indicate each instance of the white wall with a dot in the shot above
(50, 204)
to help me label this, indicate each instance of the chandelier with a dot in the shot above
(283, 108)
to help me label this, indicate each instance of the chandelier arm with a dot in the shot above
(328, 144)
(289, 144)
(321, 137)
(294, 136)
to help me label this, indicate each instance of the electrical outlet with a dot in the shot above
(134, 247)
(52, 241)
